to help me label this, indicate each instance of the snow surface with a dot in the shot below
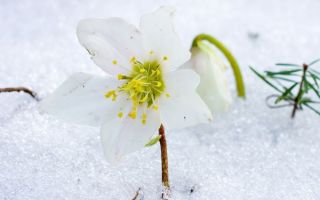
(250, 153)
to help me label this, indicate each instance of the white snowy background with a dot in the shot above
(249, 153)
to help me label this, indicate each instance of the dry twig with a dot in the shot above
(20, 89)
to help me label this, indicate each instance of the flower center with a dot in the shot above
(143, 85)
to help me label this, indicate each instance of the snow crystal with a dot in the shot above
(251, 152)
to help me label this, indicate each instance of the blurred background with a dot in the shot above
(41, 34)
(251, 152)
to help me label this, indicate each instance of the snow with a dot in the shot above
(251, 152)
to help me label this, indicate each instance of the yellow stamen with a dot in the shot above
(133, 59)
(158, 72)
(165, 58)
(158, 84)
(120, 76)
(120, 114)
(144, 99)
(114, 62)
(112, 94)
(168, 95)
(144, 118)
(151, 52)
(155, 107)
(133, 114)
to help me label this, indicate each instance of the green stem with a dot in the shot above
(233, 62)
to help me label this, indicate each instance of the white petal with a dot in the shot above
(159, 36)
(183, 107)
(110, 40)
(122, 136)
(187, 65)
(80, 99)
(213, 87)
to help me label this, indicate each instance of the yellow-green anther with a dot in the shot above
(158, 83)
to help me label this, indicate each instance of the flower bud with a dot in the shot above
(213, 87)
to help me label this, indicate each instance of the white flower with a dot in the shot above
(213, 87)
(144, 90)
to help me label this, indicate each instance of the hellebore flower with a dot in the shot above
(213, 87)
(145, 87)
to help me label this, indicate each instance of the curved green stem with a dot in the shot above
(233, 62)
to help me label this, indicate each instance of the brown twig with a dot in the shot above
(137, 194)
(164, 162)
(20, 89)
(300, 92)
(164, 157)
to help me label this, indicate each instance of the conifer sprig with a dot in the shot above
(297, 85)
